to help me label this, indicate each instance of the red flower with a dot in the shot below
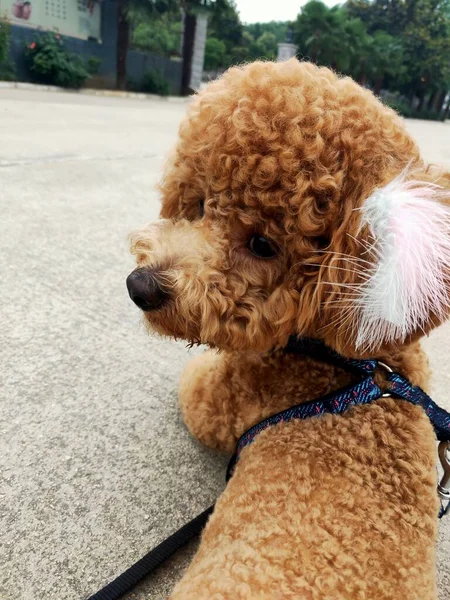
(32, 46)
(57, 36)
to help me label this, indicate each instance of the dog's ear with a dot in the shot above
(406, 228)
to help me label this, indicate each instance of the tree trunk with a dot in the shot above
(362, 72)
(421, 100)
(378, 85)
(188, 50)
(440, 101)
(447, 111)
(431, 100)
(123, 38)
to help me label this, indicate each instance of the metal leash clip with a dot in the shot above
(444, 485)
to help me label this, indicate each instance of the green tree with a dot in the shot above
(242, 42)
(427, 48)
(225, 24)
(160, 35)
(215, 53)
(313, 32)
(244, 52)
(422, 29)
(386, 60)
(355, 44)
(277, 28)
(390, 16)
(266, 45)
(329, 36)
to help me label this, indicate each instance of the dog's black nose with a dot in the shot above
(145, 289)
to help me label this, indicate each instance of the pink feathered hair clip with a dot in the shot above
(410, 229)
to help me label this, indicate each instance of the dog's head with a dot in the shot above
(295, 204)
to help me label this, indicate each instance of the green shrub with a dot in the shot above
(6, 66)
(428, 115)
(400, 107)
(93, 65)
(50, 63)
(153, 82)
(411, 113)
(5, 29)
(7, 72)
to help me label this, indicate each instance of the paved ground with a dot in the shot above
(95, 464)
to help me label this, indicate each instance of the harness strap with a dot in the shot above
(317, 349)
(337, 402)
(440, 418)
(363, 392)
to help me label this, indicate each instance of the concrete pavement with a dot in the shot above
(96, 466)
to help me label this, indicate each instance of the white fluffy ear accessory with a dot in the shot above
(410, 226)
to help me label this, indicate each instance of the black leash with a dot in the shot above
(153, 559)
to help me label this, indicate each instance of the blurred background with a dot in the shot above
(398, 48)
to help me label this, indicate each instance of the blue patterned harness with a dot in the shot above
(364, 391)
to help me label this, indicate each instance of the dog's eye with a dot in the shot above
(201, 208)
(261, 247)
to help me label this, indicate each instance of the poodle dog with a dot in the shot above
(296, 204)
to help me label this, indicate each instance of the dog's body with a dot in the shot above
(339, 507)
(280, 206)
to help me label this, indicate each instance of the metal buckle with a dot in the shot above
(388, 370)
(444, 484)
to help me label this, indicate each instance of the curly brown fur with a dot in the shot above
(336, 507)
(287, 151)
(340, 508)
(223, 395)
